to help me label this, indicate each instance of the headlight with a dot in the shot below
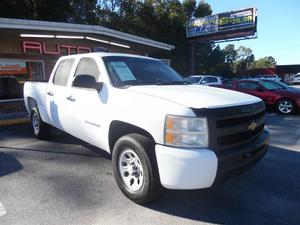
(183, 131)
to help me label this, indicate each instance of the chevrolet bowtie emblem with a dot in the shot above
(252, 126)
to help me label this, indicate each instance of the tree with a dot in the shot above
(265, 62)
(203, 9)
(83, 12)
(245, 59)
(50, 10)
(204, 52)
(189, 7)
(230, 54)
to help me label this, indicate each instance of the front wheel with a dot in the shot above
(285, 106)
(135, 168)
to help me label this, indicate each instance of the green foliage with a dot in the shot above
(36, 9)
(230, 54)
(203, 9)
(265, 62)
(243, 59)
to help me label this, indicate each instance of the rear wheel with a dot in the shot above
(285, 106)
(135, 168)
(40, 129)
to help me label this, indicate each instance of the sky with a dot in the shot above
(278, 28)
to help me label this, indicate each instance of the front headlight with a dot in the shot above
(183, 131)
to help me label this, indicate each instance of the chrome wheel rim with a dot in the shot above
(285, 107)
(35, 124)
(131, 169)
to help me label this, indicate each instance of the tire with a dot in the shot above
(285, 106)
(41, 129)
(135, 168)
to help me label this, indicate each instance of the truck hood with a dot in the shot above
(196, 96)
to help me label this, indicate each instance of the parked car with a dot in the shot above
(204, 80)
(10, 88)
(273, 77)
(286, 101)
(160, 131)
(296, 78)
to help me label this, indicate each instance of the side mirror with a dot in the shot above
(87, 81)
(203, 82)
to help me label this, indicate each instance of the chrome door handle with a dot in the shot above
(50, 93)
(71, 98)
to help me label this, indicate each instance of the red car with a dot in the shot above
(286, 101)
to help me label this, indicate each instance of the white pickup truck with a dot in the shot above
(161, 131)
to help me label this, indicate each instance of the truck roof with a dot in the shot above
(103, 54)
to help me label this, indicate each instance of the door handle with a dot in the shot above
(71, 98)
(50, 93)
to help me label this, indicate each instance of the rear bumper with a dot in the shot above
(181, 168)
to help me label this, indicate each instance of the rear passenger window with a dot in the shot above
(62, 72)
(88, 66)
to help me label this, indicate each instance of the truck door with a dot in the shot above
(86, 106)
(56, 93)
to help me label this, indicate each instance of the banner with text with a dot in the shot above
(222, 22)
(8, 67)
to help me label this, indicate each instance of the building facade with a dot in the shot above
(29, 49)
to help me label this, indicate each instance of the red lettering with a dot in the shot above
(57, 52)
(84, 49)
(68, 47)
(41, 47)
(30, 45)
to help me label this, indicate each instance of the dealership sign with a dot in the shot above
(222, 23)
(59, 49)
(12, 67)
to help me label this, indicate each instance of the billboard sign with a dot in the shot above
(240, 19)
(223, 22)
(202, 26)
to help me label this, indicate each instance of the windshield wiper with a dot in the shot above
(178, 82)
(129, 83)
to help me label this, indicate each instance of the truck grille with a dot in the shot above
(233, 126)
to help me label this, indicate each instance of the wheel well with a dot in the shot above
(286, 99)
(118, 129)
(31, 103)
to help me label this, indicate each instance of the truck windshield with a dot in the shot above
(124, 71)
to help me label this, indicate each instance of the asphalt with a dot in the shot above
(65, 181)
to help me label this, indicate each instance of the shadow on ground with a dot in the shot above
(267, 194)
(8, 164)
